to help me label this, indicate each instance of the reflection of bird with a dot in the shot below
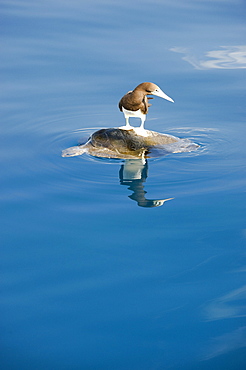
(135, 103)
(134, 173)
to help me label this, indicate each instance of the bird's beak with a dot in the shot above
(161, 94)
(160, 202)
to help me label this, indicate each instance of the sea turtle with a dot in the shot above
(120, 143)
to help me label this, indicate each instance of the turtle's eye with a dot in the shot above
(148, 91)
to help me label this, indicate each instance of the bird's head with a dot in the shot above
(150, 88)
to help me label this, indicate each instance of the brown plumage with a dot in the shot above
(136, 103)
(137, 98)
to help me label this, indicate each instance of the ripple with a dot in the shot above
(213, 160)
(83, 168)
(216, 165)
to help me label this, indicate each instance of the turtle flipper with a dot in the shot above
(73, 151)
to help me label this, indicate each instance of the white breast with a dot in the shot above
(133, 113)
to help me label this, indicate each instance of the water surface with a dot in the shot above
(90, 279)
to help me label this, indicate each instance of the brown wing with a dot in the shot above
(124, 101)
(133, 101)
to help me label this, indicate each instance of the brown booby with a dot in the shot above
(135, 104)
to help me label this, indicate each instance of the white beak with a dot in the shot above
(160, 202)
(161, 94)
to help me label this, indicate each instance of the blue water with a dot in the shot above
(90, 278)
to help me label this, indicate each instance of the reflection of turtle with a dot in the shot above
(118, 143)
